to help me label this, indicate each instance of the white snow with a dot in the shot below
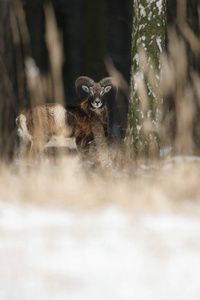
(149, 114)
(159, 41)
(188, 158)
(106, 255)
(138, 127)
(142, 10)
(159, 5)
(150, 16)
(136, 58)
(141, 26)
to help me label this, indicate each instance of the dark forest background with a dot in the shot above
(91, 32)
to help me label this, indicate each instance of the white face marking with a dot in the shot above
(91, 91)
(96, 105)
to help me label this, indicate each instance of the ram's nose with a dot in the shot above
(97, 100)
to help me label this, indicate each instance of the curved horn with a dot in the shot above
(109, 81)
(84, 80)
(106, 81)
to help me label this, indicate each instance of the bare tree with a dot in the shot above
(12, 80)
(148, 42)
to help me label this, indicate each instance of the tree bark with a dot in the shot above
(12, 81)
(148, 42)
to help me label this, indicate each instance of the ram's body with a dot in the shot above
(84, 123)
(78, 125)
(38, 125)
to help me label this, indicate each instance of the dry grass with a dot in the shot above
(163, 186)
(131, 184)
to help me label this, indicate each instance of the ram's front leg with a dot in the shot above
(101, 147)
(84, 147)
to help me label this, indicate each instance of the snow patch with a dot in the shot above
(159, 6)
(141, 26)
(150, 16)
(142, 10)
(136, 59)
(159, 41)
(186, 158)
(138, 127)
(106, 255)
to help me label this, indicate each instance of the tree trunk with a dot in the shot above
(12, 81)
(148, 42)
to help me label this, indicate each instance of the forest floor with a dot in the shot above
(70, 232)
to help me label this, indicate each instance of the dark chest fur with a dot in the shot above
(84, 123)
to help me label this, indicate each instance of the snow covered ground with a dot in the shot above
(104, 255)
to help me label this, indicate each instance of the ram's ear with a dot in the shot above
(107, 88)
(108, 83)
(81, 84)
(85, 88)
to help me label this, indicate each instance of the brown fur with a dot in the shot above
(39, 116)
(84, 120)
(40, 126)
(80, 122)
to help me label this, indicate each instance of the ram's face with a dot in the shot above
(96, 93)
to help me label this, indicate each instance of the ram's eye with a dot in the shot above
(85, 88)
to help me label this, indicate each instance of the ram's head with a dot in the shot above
(94, 90)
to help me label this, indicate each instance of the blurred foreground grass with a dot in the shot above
(171, 184)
